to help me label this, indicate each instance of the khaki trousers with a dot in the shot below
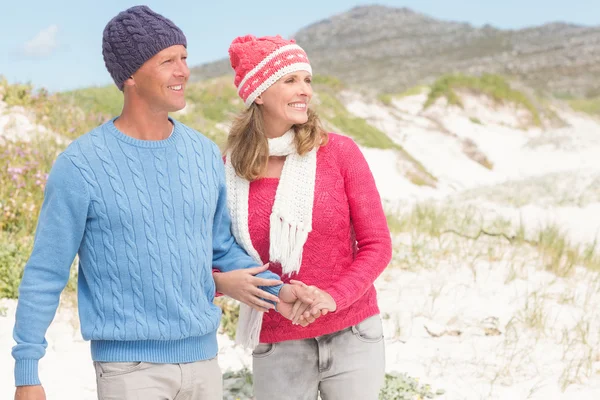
(200, 380)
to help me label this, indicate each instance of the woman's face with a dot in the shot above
(285, 103)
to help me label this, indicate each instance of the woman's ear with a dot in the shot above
(258, 100)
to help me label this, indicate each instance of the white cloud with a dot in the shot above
(43, 44)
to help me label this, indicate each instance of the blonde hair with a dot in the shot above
(249, 146)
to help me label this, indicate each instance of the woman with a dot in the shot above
(306, 202)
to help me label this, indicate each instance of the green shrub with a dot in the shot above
(14, 252)
(364, 134)
(68, 114)
(590, 106)
(24, 168)
(105, 100)
(328, 81)
(493, 86)
(238, 385)
(403, 387)
(386, 98)
(231, 313)
(215, 100)
(17, 94)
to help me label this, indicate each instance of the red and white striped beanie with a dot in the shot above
(260, 62)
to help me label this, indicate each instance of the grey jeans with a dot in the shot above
(345, 365)
(200, 380)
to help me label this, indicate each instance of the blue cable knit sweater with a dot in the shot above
(148, 220)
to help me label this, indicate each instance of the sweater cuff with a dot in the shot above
(340, 301)
(274, 290)
(26, 373)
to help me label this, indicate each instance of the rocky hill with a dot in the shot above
(391, 49)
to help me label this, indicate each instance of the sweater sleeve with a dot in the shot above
(228, 255)
(369, 223)
(59, 233)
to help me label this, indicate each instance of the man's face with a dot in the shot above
(161, 80)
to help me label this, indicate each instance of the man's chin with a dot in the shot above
(177, 107)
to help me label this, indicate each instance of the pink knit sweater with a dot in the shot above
(349, 245)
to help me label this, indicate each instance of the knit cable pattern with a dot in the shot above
(139, 180)
(110, 254)
(188, 213)
(161, 165)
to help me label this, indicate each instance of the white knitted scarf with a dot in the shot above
(290, 221)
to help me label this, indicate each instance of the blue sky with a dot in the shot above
(57, 43)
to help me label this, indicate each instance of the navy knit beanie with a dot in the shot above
(133, 37)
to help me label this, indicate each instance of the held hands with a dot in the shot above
(298, 302)
(303, 304)
(289, 295)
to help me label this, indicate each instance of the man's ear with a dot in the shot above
(129, 81)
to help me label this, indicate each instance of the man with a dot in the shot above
(141, 200)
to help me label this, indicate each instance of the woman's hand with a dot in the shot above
(242, 285)
(296, 299)
(322, 304)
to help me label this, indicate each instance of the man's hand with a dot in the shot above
(243, 286)
(30, 393)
